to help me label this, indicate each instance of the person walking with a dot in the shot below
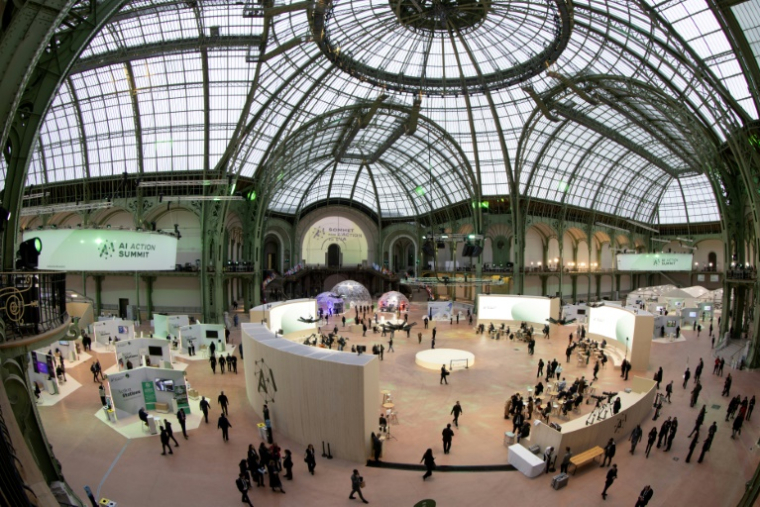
(727, 386)
(750, 407)
(611, 476)
(636, 435)
(310, 459)
(668, 391)
(698, 370)
(287, 464)
(429, 462)
(651, 440)
(548, 453)
(182, 418)
(737, 426)
(242, 486)
(566, 460)
(357, 483)
(700, 420)
(646, 494)
(664, 429)
(225, 425)
(686, 377)
(223, 401)
(609, 453)
(708, 441)
(695, 394)
(672, 434)
(170, 432)
(540, 368)
(205, 406)
(212, 361)
(222, 363)
(457, 411)
(444, 374)
(447, 435)
(692, 446)
(165, 442)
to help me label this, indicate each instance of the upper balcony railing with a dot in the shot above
(32, 302)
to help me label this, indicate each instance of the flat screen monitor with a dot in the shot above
(708, 308)
(164, 384)
(581, 311)
(154, 351)
(63, 343)
(671, 323)
(212, 333)
(692, 314)
(679, 303)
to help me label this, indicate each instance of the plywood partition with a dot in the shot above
(579, 436)
(313, 394)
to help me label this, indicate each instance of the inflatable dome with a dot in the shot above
(393, 301)
(353, 294)
(329, 303)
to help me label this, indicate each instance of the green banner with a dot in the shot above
(149, 395)
(180, 396)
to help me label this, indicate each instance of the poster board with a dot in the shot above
(113, 328)
(515, 309)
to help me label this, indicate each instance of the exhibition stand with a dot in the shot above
(597, 428)
(107, 331)
(393, 301)
(155, 389)
(329, 304)
(138, 352)
(282, 317)
(445, 310)
(314, 395)
(168, 325)
(578, 312)
(201, 336)
(512, 310)
(353, 294)
(626, 329)
(41, 371)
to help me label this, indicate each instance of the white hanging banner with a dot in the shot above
(654, 262)
(105, 250)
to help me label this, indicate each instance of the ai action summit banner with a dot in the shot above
(105, 250)
(334, 230)
(654, 262)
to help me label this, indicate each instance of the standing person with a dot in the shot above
(212, 349)
(686, 377)
(287, 464)
(242, 485)
(698, 370)
(222, 363)
(717, 366)
(699, 421)
(457, 411)
(102, 392)
(668, 391)
(425, 321)
(566, 460)
(646, 494)
(165, 442)
(658, 377)
(750, 407)
(737, 427)
(447, 434)
(170, 432)
(609, 453)
(636, 435)
(182, 418)
(548, 452)
(225, 425)
(672, 435)
(253, 466)
(212, 361)
(722, 364)
(343, 320)
(664, 429)
(596, 370)
(429, 461)
(651, 440)
(611, 476)
(274, 476)
(357, 483)
(223, 401)
(390, 344)
(419, 338)
(540, 368)
(205, 406)
(695, 394)
(310, 459)
(692, 446)
(727, 386)
(444, 374)
(94, 371)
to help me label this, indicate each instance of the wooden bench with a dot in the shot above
(586, 457)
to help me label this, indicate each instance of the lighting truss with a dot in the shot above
(453, 238)
(658, 240)
(456, 281)
(686, 239)
(60, 208)
(182, 183)
(37, 195)
(178, 198)
(639, 224)
(601, 224)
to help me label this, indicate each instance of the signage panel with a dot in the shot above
(654, 262)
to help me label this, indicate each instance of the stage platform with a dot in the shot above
(433, 359)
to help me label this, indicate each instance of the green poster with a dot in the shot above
(180, 396)
(149, 395)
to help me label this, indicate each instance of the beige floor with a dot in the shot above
(203, 469)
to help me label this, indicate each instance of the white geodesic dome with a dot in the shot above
(353, 294)
(392, 301)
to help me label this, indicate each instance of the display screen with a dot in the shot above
(670, 323)
(581, 311)
(212, 333)
(516, 308)
(654, 262)
(692, 314)
(708, 308)
(612, 322)
(328, 231)
(63, 343)
(164, 384)
(154, 351)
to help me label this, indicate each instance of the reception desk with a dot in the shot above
(579, 436)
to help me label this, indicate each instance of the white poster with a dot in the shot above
(613, 323)
(105, 250)
(334, 231)
(126, 390)
(516, 308)
(440, 310)
(654, 262)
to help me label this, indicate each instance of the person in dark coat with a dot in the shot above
(182, 418)
(737, 427)
(636, 435)
(165, 442)
(686, 377)
(253, 467)
(672, 435)
(448, 434)
(646, 494)
(310, 459)
(457, 411)
(700, 420)
(444, 374)
(651, 440)
(727, 386)
(611, 476)
(225, 425)
(205, 406)
(695, 394)
(222, 363)
(287, 464)
(243, 487)
(692, 446)
(664, 429)
(609, 453)
(212, 361)
(170, 432)
(357, 481)
(224, 402)
(429, 461)
(274, 476)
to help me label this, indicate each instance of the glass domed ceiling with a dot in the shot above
(442, 46)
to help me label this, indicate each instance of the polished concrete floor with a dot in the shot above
(203, 469)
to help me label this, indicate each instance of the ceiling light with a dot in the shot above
(59, 208)
(601, 224)
(638, 224)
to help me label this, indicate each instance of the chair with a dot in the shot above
(393, 418)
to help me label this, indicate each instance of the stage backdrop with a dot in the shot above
(616, 323)
(105, 250)
(654, 262)
(341, 231)
(508, 308)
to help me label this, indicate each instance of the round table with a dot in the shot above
(552, 394)
(388, 405)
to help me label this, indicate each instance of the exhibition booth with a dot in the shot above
(512, 310)
(329, 303)
(314, 395)
(111, 330)
(393, 301)
(41, 371)
(446, 310)
(139, 352)
(282, 317)
(647, 295)
(600, 426)
(168, 325)
(201, 336)
(627, 329)
(578, 312)
(155, 389)
(353, 294)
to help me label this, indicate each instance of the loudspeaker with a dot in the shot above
(428, 249)
(467, 250)
(476, 250)
(441, 245)
(510, 264)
